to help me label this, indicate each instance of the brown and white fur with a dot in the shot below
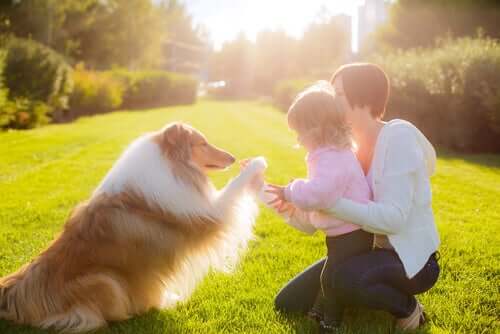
(150, 231)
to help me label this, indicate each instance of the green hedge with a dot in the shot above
(150, 89)
(5, 118)
(451, 92)
(3, 90)
(36, 72)
(285, 92)
(99, 92)
(20, 112)
(93, 92)
(23, 113)
(36, 82)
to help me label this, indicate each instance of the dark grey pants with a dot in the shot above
(375, 280)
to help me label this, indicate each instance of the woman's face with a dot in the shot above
(356, 115)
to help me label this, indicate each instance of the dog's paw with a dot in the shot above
(256, 165)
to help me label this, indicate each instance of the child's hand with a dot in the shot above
(286, 208)
(279, 202)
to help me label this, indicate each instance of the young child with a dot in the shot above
(333, 172)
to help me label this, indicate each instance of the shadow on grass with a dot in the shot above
(485, 160)
(356, 321)
(151, 322)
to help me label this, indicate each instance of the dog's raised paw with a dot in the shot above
(257, 165)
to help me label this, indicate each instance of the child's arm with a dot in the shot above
(331, 175)
(292, 215)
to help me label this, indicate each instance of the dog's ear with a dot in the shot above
(176, 141)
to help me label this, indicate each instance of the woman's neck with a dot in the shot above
(365, 136)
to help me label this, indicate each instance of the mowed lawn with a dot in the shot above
(45, 172)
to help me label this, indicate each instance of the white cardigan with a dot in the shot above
(403, 162)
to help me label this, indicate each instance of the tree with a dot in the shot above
(235, 64)
(415, 23)
(323, 46)
(275, 59)
(102, 33)
(125, 33)
(185, 46)
(51, 22)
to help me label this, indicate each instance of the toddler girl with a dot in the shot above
(333, 172)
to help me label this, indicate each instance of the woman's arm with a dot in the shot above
(386, 216)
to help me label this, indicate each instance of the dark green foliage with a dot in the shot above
(451, 92)
(38, 73)
(94, 92)
(100, 92)
(3, 89)
(150, 89)
(22, 113)
(286, 91)
(416, 23)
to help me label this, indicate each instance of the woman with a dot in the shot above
(398, 162)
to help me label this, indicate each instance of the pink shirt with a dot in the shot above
(332, 173)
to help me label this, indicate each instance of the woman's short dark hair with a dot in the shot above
(365, 84)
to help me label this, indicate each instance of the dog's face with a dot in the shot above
(183, 143)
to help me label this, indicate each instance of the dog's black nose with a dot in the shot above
(232, 159)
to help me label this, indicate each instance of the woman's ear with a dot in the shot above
(176, 141)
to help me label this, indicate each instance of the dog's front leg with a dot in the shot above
(237, 186)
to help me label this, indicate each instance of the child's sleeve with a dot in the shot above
(330, 178)
(300, 221)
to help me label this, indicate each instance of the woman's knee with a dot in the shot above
(346, 280)
(280, 301)
(286, 299)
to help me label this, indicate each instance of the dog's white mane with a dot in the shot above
(143, 168)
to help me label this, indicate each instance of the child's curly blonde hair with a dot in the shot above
(317, 114)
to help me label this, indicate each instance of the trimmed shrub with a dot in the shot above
(3, 89)
(22, 113)
(451, 92)
(150, 89)
(93, 93)
(285, 92)
(36, 72)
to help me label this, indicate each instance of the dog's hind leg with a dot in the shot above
(96, 299)
(76, 320)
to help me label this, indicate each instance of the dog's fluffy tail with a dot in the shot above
(26, 298)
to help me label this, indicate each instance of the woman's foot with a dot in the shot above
(414, 320)
(316, 312)
(329, 327)
(315, 315)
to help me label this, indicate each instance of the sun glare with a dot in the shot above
(228, 18)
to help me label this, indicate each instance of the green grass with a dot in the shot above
(45, 172)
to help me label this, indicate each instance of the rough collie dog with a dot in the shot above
(150, 231)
